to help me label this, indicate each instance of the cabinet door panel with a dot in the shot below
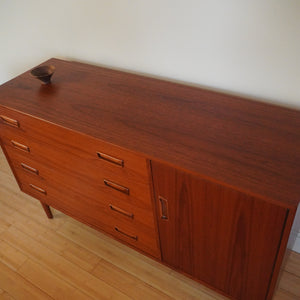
(216, 234)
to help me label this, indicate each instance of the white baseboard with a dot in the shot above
(296, 246)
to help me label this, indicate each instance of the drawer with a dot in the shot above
(87, 163)
(80, 200)
(111, 203)
(91, 212)
(103, 183)
(94, 152)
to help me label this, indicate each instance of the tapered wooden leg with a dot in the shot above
(47, 210)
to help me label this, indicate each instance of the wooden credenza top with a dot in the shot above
(251, 146)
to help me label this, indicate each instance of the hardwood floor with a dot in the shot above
(64, 259)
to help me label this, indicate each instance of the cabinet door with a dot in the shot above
(220, 236)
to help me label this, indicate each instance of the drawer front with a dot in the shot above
(79, 154)
(82, 200)
(91, 150)
(111, 202)
(92, 213)
(73, 168)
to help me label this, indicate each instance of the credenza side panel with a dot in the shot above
(225, 238)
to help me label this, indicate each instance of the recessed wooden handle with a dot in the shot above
(20, 146)
(134, 237)
(42, 191)
(163, 208)
(111, 159)
(121, 211)
(9, 121)
(29, 169)
(116, 186)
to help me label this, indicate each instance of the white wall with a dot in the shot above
(246, 47)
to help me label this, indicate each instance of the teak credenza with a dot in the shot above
(204, 182)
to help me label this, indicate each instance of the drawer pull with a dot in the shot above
(29, 169)
(38, 189)
(20, 146)
(134, 237)
(121, 211)
(9, 121)
(116, 186)
(163, 208)
(111, 159)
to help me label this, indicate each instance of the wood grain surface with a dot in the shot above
(88, 200)
(222, 237)
(249, 145)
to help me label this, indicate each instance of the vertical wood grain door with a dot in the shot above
(218, 235)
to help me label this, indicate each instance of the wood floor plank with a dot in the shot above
(6, 218)
(283, 295)
(13, 200)
(4, 166)
(10, 256)
(6, 296)
(5, 210)
(27, 225)
(74, 253)
(59, 244)
(290, 283)
(19, 288)
(37, 214)
(88, 283)
(49, 282)
(127, 283)
(292, 264)
(4, 224)
(10, 184)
